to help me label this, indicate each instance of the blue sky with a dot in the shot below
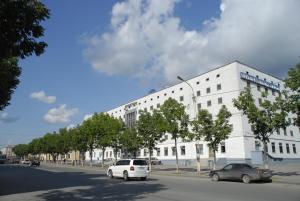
(103, 53)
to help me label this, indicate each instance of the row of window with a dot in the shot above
(278, 131)
(266, 89)
(181, 98)
(280, 147)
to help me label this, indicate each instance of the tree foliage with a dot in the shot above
(21, 150)
(19, 30)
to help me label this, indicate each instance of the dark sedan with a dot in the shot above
(35, 163)
(240, 171)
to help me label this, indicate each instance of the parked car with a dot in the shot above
(35, 163)
(240, 171)
(129, 168)
(154, 161)
(26, 162)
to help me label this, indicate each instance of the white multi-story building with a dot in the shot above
(212, 90)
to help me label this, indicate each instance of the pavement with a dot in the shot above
(19, 182)
(286, 173)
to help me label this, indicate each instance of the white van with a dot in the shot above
(129, 168)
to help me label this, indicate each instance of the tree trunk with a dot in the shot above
(265, 158)
(214, 165)
(176, 153)
(198, 158)
(75, 163)
(116, 155)
(103, 151)
(150, 165)
(91, 157)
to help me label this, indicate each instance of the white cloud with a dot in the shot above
(5, 118)
(87, 116)
(148, 41)
(41, 96)
(60, 115)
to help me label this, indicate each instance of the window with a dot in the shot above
(220, 101)
(180, 88)
(223, 148)
(258, 87)
(273, 147)
(259, 101)
(218, 75)
(166, 137)
(228, 167)
(219, 87)
(145, 152)
(110, 154)
(139, 162)
(280, 148)
(208, 90)
(287, 148)
(278, 131)
(294, 149)
(248, 84)
(291, 133)
(145, 109)
(199, 149)
(173, 151)
(145, 101)
(273, 92)
(182, 150)
(266, 90)
(284, 131)
(181, 98)
(208, 103)
(207, 79)
(151, 99)
(197, 82)
(157, 97)
(158, 105)
(199, 106)
(107, 154)
(198, 93)
(166, 151)
(257, 145)
(172, 91)
(165, 94)
(158, 152)
(138, 153)
(151, 107)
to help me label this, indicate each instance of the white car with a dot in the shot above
(129, 168)
(26, 162)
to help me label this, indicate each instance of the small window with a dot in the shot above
(139, 162)
(257, 145)
(258, 87)
(182, 150)
(284, 131)
(173, 151)
(219, 87)
(139, 103)
(145, 109)
(157, 97)
(228, 167)
(165, 94)
(145, 152)
(198, 93)
(294, 149)
(172, 91)
(181, 98)
(151, 107)
(280, 148)
(273, 92)
(259, 101)
(218, 75)
(220, 101)
(273, 147)
(208, 103)
(223, 148)
(158, 105)
(278, 131)
(110, 154)
(158, 152)
(199, 149)
(145, 101)
(292, 133)
(208, 90)
(266, 90)
(151, 99)
(248, 84)
(166, 151)
(197, 82)
(199, 106)
(180, 88)
(207, 79)
(287, 148)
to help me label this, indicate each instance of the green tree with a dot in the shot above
(264, 119)
(19, 30)
(293, 92)
(176, 121)
(50, 144)
(212, 131)
(78, 142)
(35, 147)
(114, 128)
(63, 145)
(21, 150)
(151, 128)
(131, 142)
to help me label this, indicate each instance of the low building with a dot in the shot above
(212, 90)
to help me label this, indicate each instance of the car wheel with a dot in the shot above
(125, 176)
(215, 177)
(110, 174)
(246, 179)
(143, 178)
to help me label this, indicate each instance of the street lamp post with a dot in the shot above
(195, 117)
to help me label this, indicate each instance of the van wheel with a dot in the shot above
(125, 176)
(215, 177)
(110, 174)
(246, 179)
(143, 178)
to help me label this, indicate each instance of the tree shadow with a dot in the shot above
(75, 185)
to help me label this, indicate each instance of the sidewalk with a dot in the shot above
(282, 173)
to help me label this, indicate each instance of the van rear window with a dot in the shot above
(139, 162)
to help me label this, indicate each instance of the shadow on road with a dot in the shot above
(71, 185)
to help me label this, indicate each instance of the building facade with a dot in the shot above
(212, 90)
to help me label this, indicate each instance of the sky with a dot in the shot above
(102, 54)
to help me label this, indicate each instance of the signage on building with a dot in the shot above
(263, 82)
(130, 105)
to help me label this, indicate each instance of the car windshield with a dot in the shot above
(139, 162)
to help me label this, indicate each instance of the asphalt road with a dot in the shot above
(56, 183)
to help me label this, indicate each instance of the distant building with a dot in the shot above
(212, 90)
